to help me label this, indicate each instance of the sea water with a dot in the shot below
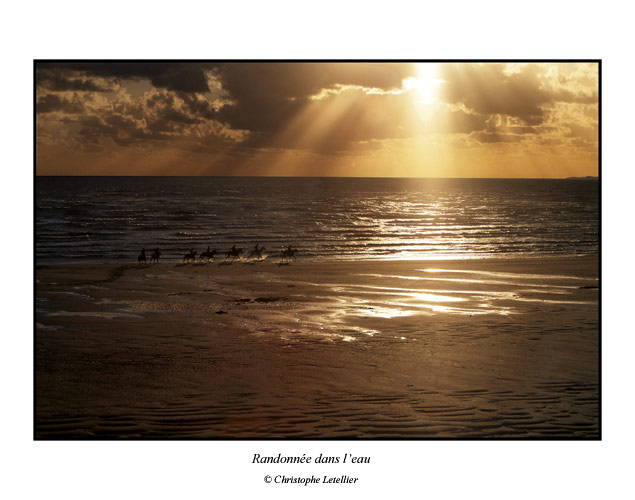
(110, 219)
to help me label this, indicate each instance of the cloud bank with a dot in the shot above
(234, 109)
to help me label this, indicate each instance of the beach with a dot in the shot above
(465, 348)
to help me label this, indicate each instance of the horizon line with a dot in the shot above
(311, 176)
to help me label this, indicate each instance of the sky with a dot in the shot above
(366, 119)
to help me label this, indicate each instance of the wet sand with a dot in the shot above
(399, 349)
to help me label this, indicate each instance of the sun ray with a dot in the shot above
(426, 83)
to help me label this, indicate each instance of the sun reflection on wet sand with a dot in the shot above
(505, 275)
(487, 293)
(465, 280)
(384, 290)
(369, 306)
(382, 312)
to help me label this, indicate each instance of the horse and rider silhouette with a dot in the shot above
(155, 256)
(142, 257)
(207, 254)
(288, 254)
(190, 256)
(233, 254)
(256, 253)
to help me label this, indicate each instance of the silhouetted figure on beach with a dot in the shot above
(208, 255)
(190, 256)
(155, 256)
(142, 257)
(288, 254)
(234, 253)
(256, 252)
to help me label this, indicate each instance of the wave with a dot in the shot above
(326, 218)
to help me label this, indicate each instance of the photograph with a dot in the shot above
(316, 249)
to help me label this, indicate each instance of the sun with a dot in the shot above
(426, 83)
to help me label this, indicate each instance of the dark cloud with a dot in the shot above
(159, 117)
(261, 98)
(300, 80)
(50, 103)
(486, 89)
(459, 122)
(203, 108)
(268, 95)
(182, 77)
(489, 89)
(122, 130)
(55, 79)
(336, 123)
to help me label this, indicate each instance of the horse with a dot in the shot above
(234, 253)
(256, 253)
(288, 254)
(208, 255)
(190, 256)
(155, 256)
(142, 257)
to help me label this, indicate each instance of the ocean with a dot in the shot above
(110, 219)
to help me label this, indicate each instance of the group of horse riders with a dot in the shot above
(287, 254)
(153, 258)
